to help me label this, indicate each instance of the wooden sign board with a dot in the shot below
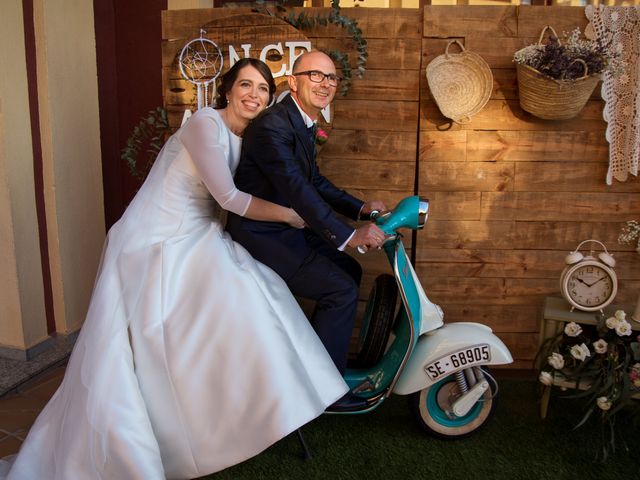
(254, 35)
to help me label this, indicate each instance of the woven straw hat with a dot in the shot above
(461, 83)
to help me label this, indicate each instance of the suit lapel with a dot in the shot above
(300, 130)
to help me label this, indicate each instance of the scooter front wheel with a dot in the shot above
(377, 322)
(432, 408)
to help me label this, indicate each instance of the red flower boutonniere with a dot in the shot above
(321, 137)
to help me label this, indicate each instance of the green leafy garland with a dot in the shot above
(148, 137)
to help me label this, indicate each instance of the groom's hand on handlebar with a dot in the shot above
(369, 207)
(368, 235)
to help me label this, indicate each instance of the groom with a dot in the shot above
(278, 164)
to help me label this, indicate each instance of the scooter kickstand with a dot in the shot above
(307, 452)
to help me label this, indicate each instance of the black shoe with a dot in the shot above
(348, 403)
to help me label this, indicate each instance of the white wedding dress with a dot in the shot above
(193, 356)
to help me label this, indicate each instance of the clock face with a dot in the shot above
(590, 286)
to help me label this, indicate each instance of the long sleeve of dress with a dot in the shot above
(201, 138)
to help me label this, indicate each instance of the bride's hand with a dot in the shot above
(295, 220)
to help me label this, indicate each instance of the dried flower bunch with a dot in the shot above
(562, 60)
(631, 233)
(605, 361)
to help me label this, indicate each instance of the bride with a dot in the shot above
(193, 356)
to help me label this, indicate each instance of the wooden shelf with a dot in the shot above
(557, 311)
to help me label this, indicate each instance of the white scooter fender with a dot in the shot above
(448, 349)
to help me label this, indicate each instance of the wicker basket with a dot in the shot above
(552, 99)
(461, 83)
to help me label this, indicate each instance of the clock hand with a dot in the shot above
(600, 279)
(583, 282)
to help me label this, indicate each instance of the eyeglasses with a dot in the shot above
(317, 76)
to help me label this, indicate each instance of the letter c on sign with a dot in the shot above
(278, 48)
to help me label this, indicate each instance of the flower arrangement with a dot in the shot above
(604, 361)
(567, 59)
(630, 233)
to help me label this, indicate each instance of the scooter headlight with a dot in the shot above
(423, 212)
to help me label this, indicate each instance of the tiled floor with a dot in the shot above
(19, 409)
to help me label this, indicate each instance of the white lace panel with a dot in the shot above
(620, 27)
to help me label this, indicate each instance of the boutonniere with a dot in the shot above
(321, 137)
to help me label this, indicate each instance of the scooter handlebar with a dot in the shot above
(410, 212)
(364, 249)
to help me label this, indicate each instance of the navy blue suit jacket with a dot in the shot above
(278, 164)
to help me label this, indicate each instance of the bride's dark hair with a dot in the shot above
(229, 78)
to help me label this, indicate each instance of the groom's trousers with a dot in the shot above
(332, 278)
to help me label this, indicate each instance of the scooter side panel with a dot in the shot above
(452, 337)
(429, 314)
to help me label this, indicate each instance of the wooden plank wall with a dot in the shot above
(510, 194)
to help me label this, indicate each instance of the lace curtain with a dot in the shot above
(620, 27)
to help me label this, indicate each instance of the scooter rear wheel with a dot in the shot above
(378, 321)
(431, 408)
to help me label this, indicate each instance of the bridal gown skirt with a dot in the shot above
(215, 363)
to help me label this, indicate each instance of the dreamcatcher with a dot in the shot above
(201, 63)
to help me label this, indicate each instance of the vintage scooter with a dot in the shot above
(441, 367)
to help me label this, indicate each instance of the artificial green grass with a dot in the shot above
(516, 444)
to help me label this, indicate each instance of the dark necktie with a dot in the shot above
(312, 132)
(312, 135)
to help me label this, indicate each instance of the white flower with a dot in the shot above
(604, 403)
(600, 346)
(623, 328)
(556, 360)
(580, 352)
(546, 378)
(612, 322)
(620, 315)
(573, 329)
(630, 232)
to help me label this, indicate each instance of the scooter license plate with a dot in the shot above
(467, 357)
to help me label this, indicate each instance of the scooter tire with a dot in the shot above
(378, 321)
(429, 408)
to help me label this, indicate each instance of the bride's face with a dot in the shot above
(249, 94)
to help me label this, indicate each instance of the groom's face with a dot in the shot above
(313, 97)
